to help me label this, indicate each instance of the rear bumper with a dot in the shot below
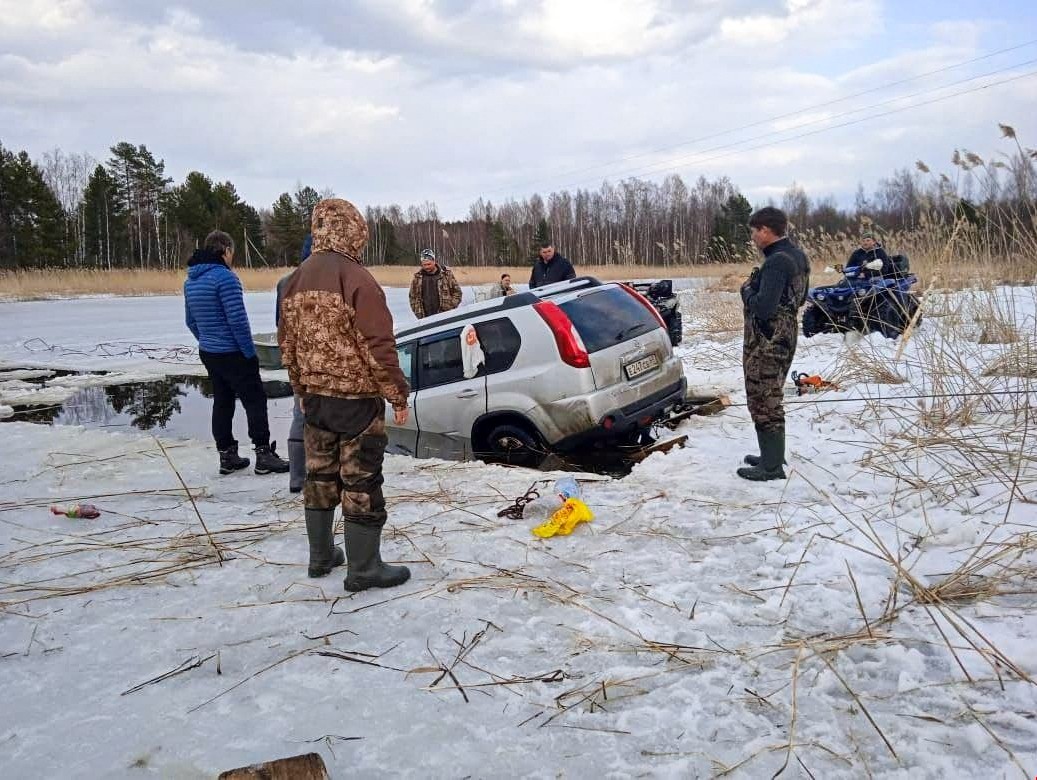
(627, 419)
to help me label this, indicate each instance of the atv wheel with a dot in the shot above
(816, 321)
(675, 328)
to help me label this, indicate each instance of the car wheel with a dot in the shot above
(516, 445)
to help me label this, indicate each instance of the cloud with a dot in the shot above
(447, 100)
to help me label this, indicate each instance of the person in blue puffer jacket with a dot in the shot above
(215, 311)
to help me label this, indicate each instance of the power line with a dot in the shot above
(668, 165)
(786, 115)
(671, 165)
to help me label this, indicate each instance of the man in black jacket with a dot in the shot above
(771, 297)
(863, 260)
(550, 268)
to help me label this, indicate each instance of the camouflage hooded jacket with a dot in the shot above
(449, 292)
(335, 331)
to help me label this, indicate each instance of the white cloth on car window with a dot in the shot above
(472, 355)
(874, 265)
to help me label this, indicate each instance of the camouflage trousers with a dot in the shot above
(345, 444)
(766, 360)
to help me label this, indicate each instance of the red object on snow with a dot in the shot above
(83, 511)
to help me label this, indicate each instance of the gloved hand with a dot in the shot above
(874, 265)
(747, 285)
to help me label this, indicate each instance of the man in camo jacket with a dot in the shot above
(336, 337)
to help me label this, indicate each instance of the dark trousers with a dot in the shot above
(236, 377)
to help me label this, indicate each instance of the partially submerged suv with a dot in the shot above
(569, 364)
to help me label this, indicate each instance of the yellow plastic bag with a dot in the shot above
(572, 513)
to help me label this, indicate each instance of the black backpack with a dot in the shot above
(901, 265)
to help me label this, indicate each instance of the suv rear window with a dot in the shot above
(604, 318)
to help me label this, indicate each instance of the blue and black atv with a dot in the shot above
(864, 301)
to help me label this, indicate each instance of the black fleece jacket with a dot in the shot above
(782, 262)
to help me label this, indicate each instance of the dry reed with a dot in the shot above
(30, 285)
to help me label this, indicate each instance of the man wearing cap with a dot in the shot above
(336, 338)
(870, 259)
(434, 288)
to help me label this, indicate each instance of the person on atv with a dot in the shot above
(869, 260)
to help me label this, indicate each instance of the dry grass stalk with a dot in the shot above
(865, 366)
(1019, 360)
(714, 314)
(29, 285)
(194, 504)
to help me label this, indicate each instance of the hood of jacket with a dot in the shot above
(339, 227)
(202, 262)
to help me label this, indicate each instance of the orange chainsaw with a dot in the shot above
(811, 383)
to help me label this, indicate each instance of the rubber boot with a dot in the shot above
(366, 569)
(772, 455)
(269, 462)
(230, 461)
(320, 530)
(754, 460)
(296, 465)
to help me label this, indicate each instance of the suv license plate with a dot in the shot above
(642, 366)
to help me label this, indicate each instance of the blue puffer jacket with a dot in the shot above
(215, 306)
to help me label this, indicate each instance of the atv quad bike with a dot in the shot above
(660, 295)
(863, 302)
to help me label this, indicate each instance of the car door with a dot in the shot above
(403, 439)
(448, 404)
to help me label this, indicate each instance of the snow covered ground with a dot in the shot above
(873, 615)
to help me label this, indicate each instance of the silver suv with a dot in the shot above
(566, 365)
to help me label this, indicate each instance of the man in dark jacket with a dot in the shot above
(434, 288)
(870, 259)
(215, 311)
(771, 297)
(550, 268)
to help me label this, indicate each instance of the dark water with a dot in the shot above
(176, 406)
(181, 407)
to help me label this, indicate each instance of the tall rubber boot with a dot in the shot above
(296, 465)
(754, 460)
(320, 530)
(772, 455)
(365, 568)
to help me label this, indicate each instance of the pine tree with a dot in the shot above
(285, 230)
(32, 222)
(105, 227)
(730, 238)
(541, 235)
(505, 248)
(193, 206)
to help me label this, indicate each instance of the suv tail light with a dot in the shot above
(570, 345)
(646, 303)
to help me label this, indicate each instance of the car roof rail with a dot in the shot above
(466, 314)
(568, 285)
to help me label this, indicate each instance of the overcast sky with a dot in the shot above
(403, 101)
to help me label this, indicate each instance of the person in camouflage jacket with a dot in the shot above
(434, 288)
(772, 297)
(336, 338)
